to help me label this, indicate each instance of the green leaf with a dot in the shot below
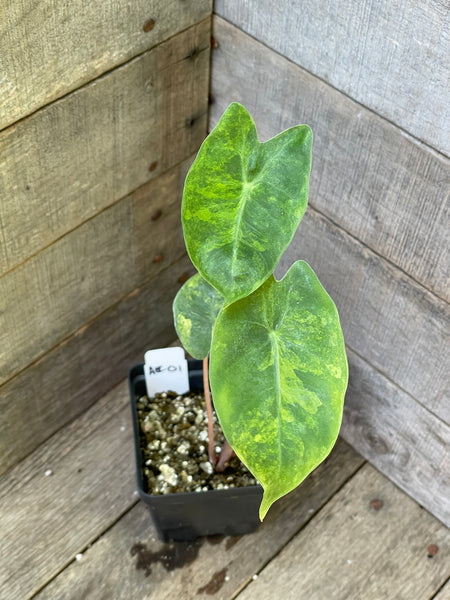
(278, 378)
(195, 309)
(243, 201)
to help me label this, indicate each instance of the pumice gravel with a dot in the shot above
(174, 446)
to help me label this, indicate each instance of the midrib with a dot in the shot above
(276, 364)
(237, 228)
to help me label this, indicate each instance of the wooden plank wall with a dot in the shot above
(373, 87)
(103, 106)
(391, 57)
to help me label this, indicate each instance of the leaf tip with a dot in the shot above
(266, 503)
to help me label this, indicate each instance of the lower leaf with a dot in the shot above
(195, 310)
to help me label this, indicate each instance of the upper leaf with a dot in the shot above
(243, 201)
(278, 378)
(195, 309)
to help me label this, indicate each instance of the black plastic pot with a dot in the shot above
(186, 516)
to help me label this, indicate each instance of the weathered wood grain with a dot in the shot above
(75, 279)
(367, 176)
(392, 322)
(135, 559)
(391, 57)
(443, 594)
(352, 550)
(48, 49)
(389, 192)
(401, 438)
(46, 520)
(74, 374)
(64, 443)
(72, 159)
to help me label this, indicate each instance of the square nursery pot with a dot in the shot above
(186, 516)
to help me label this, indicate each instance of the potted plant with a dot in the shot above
(277, 364)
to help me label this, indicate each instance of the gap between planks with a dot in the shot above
(183, 166)
(370, 541)
(348, 60)
(113, 50)
(46, 521)
(443, 593)
(122, 541)
(339, 121)
(132, 551)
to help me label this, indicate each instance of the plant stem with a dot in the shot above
(226, 453)
(209, 413)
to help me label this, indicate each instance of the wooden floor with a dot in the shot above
(72, 527)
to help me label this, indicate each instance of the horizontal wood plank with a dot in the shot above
(367, 176)
(46, 520)
(74, 374)
(72, 159)
(134, 558)
(354, 550)
(48, 49)
(84, 273)
(391, 57)
(392, 322)
(401, 438)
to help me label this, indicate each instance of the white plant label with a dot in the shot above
(166, 369)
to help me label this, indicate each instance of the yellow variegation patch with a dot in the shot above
(278, 377)
(278, 364)
(243, 201)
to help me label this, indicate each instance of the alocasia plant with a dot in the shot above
(278, 368)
